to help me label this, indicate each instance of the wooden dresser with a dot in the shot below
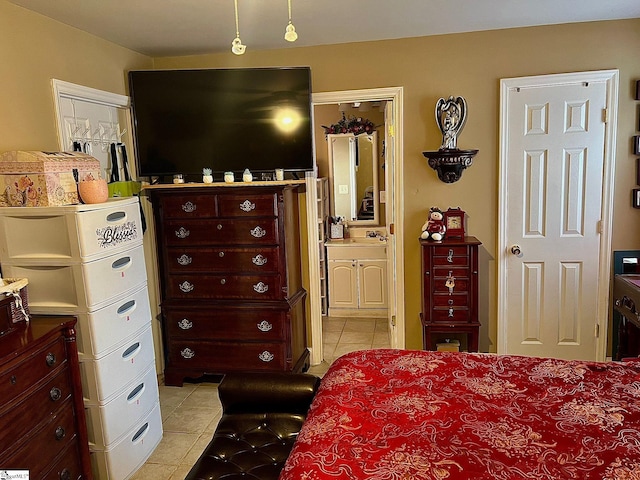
(42, 420)
(450, 290)
(232, 296)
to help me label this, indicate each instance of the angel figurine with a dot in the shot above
(451, 115)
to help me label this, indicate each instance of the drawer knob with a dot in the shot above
(258, 232)
(259, 260)
(189, 207)
(65, 474)
(55, 394)
(221, 254)
(450, 256)
(186, 287)
(13, 380)
(264, 326)
(219, 226)
(247, 206)
(60, 433)
(223, 281)
(182, 232)
(50, 359)
(266, 356)
(450, 312)
(260, 287)
(185, 324)
(187, 353)
(185, 260)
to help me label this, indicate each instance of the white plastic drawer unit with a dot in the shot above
(120, 460)
(84, 286)
(107, 422)
(69, 233)
(99, 331)
(102, 379)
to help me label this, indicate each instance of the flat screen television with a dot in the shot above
(223, 119)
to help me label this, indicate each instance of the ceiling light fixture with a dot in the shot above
(236, 46)
(290, 34)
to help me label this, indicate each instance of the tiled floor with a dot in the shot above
(191, 413)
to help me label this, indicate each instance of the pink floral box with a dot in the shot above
(41, 179)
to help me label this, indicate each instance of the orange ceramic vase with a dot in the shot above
(93, 191)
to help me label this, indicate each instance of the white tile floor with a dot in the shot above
(191, 413)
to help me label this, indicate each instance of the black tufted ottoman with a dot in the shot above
(262, 414)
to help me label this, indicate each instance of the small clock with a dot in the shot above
(454, 220)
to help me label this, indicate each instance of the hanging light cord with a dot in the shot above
(235, 4)
(290, 32)
(289, 5)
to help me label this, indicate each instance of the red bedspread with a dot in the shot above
(400, 415)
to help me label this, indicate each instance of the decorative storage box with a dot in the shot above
(14, 305)
(42, 179)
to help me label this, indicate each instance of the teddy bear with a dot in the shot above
(434, 227)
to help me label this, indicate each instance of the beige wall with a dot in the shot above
(35, 49)
(470, 65)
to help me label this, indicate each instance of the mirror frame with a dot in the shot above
(375, 221)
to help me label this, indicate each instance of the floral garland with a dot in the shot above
(355, 125)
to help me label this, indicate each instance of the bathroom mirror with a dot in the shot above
(353, 174)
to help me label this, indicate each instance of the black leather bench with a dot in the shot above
(262, 414)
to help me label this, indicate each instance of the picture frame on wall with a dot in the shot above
(635, 200)
(636, 144)
(637, 89)
(638, 171)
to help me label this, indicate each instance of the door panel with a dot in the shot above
(555, 139)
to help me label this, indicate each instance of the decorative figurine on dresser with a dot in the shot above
(231, 279)
(88, 261)
(450, 284)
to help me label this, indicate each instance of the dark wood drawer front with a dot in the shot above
(45, 445)
(450, 315)
(447, 250)
(258, 231)
(223, 259)
(225, 324)
(455, 261)
(262, 205)
(214, 357)
(188, 206)
(248, 287)
(455, 300)
(440, 285)
(38, 406)
(22, 376)
(67, 466)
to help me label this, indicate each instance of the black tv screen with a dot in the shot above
(223, 119)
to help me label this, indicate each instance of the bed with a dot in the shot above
(402, 414)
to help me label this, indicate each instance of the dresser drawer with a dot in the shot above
(450, 251)
(242, 205)
(67, 466)
(446, 300)
(450, 315)
(439, 285)
(248, 287)
(453, 261)
(188, 206)
(257, 231)
(45, 445)
(37, 407)
(225, 324)
(22, 376)
(223, 259)
(216, 357)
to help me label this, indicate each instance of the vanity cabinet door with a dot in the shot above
(343, 284)
(372, 282)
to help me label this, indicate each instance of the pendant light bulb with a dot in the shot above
(236, 46)
(290, 34)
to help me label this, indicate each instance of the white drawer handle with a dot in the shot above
(140, 434)
(189, 207)
(266, 356)
(121, 263)
(186, 287)
(184, 260)
(131, 351)
(259, 260)
(264, 326)
(258, 232)
(182, 232)
(116, 216)
(187, 353)
(136, 393)
(127, 308)
(185, 324)
(261, 287)
(247, 206)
